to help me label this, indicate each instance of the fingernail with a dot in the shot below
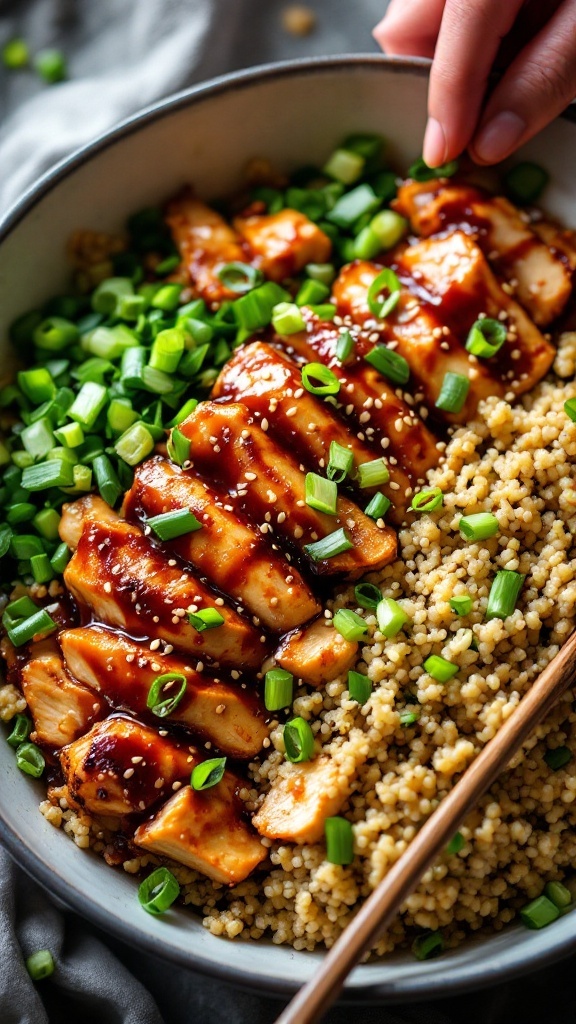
(434, 148)
(498, 138)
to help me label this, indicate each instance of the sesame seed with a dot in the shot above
(281, 517)
(273, 602)
(159, 783)
(235, 674)
(200, 666)
(292, 411)
(245, 434)
(130, 658)
(155, 645)
(137, 759)
(219, 601)
(250, 476)
(108, 587)
(220, 709)
(128, 773)
(155, 666)
(298, 532)
(176, 785)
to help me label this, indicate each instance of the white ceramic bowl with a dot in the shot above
(293, 113)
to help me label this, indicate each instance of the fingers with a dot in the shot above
(536, 88)
(469, 39)
(410, 27)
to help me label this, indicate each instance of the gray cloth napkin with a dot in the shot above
(123, 55)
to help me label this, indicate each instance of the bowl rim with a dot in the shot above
(450, 980)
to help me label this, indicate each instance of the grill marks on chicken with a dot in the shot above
(123, 671)
(270, 486)
(128, 583)
(121, 767)
(539, 275)
(228, 550)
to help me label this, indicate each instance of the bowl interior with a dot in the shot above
(293, 114)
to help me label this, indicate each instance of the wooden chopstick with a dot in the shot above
(314, 999)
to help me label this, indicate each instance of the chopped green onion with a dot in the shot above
(43, 475)
(339, 841)
(167, 266)
(408, 717)
(22, 512)
(22, 608)
(167, 297)
(207, 618)
(208, 773)
(453, 392)
(158, 701)
(328, 383)
(37, 384)
(344, 346)
(539, 913)
(254, 310)
(134, 444)
(350, 625)
(5, 539)
(239, 277)
(39, 624)
(461, 604)
(311, 292)
(15, 54)
(157, 381)
(278, 689)
(560, 896)
(323, 272)
(428, 945)
(60, 558)
(25, 545)
(184, 412)
(420, 171)
(47, 522)
(120, 415)
(38, 438)
(367, 595)
(359, 687)
(40, 965)
(389, 363)
(88, 404)
(42, 570)
(557, 758)
(179, 447)
(378, 506)
(107, 480)
(21, 730)
(486, 338)
(287, 319)
(353, 205)
(340, 462)
(389, 227)
(71, 435)
(55, 333)
(525, 182)
(298, 740)
(570, 409)
(158, 891)
(372, 474)
(167, 350)
(367, 244)
(328, 547)
(386, 282)
(456, 844)
(427, 501)
(391, 617)
(108, 294)
(344, 166)
(504, 593)
(321, 494)
(169, 525)
(51, 66)
(479, 526)
(30, 760)
(366, 144)
(439, 668)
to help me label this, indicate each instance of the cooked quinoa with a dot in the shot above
(517, 462)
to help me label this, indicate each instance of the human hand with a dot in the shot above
(464, 37)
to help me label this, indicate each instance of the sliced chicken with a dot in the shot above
(206, 831)
(283, 243)
(129, 583)
(562, 241)
(206, 242)
(300, 799)
(266, 381)
(317, 653)
(121, 766)
(228, 549)
(270, 487)
(77, 514)
(62, 709)
(123, 671)
(376, 410)
(454, 273)
(542, 280)
(416, 332)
